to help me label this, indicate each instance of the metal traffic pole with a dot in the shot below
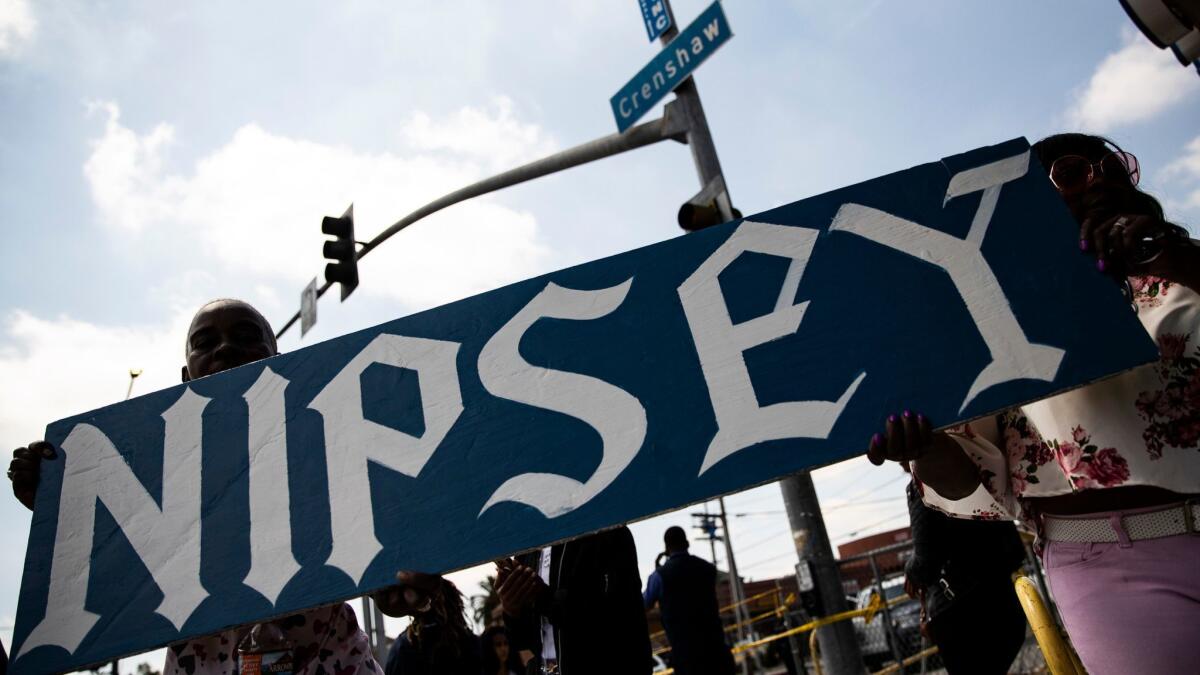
(699, 139)
(839, 645)
(671, 126)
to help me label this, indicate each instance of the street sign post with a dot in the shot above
(671, 67)
(562, 405)
(656, 17)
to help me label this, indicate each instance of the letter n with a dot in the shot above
(166, 537)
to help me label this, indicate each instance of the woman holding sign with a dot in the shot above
(1107, 475)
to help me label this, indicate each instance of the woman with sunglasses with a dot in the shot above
(1108, 475)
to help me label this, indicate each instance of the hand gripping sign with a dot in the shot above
(561, 405)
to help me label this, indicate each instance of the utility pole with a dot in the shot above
(712, 538)
(839, 645)
(741, 613)
(708, 525)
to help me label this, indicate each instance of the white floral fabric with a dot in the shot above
(1141, 427)
(325, 641)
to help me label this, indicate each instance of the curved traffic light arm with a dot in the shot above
(673, 125)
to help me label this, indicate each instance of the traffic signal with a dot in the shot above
(1173, 24)
(704, 210)
(341, 251)
(694, 217)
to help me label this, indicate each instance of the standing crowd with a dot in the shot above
(1107, 476)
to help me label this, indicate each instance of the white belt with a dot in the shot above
(1166, 522)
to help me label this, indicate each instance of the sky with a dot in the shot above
(157, 155)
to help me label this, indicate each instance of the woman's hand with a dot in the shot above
(935, 459)
(25, 470)
(906, 437)
(1138, 244)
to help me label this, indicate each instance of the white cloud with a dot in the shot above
(256, 202)
(63, 366)
(1181, 181)
(125, 172)
(500, 139)
(17, 25)
(1187, 166)
(1133, 84)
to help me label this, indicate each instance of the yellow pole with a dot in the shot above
(1059, 657)
(815, 651)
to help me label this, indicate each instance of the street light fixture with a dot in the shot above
(133, 375)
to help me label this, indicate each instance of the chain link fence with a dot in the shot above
(893, 634)
(886, 621)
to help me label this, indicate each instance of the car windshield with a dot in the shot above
(890, 592)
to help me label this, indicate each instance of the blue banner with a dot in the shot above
(671, 66)
(656, 17)
(564, 404)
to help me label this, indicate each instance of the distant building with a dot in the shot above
(856, 574)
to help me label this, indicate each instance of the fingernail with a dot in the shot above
(1083, 245)
(877, 439)
(893, 419)
(1100, 265)
(907, 414)
(921, 418)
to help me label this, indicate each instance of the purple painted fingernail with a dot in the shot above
(893, 419)
(921, 418)
(877, 439)
(1100, 265)
(907, 414)
(1083, 245)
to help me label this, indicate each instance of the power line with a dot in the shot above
(774, 536)
(866, 502)
(892, 517)
(894, 479)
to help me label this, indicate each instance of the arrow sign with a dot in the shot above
(565, 404)
(671, 66)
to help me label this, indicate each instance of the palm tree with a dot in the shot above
(485, 603)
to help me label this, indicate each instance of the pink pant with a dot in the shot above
(1132, 608)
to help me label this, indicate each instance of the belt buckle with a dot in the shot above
(946, 588)
(1189, 518)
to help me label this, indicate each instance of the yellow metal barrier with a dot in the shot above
(868, 613)
(1060, 658)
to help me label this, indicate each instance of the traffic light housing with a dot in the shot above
(341, 252)
(704, 210)
(1169, 24)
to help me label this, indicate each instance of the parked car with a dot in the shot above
(874, 639)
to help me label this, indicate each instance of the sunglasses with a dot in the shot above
(1072, 174)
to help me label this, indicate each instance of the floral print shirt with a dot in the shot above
(1141, 427)
(325, 641)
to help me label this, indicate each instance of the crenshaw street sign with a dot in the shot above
(564, 404)
(671, 66)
